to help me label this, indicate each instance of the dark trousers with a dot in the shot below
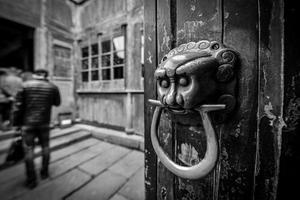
(29, 135)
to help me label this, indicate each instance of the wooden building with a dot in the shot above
(92, 50)
(109, 73)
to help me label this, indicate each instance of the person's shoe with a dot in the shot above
(31, 184)
(44, 174)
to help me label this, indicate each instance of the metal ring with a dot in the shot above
(207, 163)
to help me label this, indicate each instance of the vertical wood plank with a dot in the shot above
(165, 179)
(199, 20)
(290, 152)
(196, 20)
(270, 98)
(238, 138)
(150, 93)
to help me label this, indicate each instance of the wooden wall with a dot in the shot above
(25, 12)
(119, 102)
(57, 30)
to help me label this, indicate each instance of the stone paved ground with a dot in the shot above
(90, 169)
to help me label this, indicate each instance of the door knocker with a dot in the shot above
(193, 80)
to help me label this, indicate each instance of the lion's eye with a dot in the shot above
(183, 81)
(164, 83)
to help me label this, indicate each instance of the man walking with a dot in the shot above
(33, 113)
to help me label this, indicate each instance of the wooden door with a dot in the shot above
(250, 140)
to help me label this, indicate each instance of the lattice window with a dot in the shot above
(105, 59)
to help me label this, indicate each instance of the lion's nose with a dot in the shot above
(171, 96)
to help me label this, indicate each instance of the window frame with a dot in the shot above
(102, 68)
(91, 64)
(112, 66)
(121, 31)
(82, 70)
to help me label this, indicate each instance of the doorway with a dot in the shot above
(16, 42)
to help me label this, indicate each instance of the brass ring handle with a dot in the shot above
(207, 163)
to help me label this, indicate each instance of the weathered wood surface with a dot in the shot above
(289, 174)
(195, 21)
(150, 93)
(238, 135)
(165, 40)
(25, 13)
(259, 142)
(270, 98)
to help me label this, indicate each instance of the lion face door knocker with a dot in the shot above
(192, 80)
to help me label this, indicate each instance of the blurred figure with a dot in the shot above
(32, 112)
(10, 84)
(26, 76)
(3, 100)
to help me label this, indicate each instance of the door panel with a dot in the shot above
(270, 99)
(196, 20)
(165, 42)
(150, 93)
(238, 135)
(241, 25)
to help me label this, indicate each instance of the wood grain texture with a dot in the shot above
(270, 98)
(238, 137)
(150, 93)
(28, 13)
(290, 145)
(165, 39)
(196, 20)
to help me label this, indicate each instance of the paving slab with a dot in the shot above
(90, 169)
(7, 139)
(70, 162)
(129, 164)
(13, 188)
(17, 170)
(13, 172)
(118, 197)
(5, 144)
(105, 160)
(134, 188)
(101, 147)
(61, 153)
(55, 144)
(63, 141)
(12, 179)
(101, 188)
(59, 187)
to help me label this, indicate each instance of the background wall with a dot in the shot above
(117, 103)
